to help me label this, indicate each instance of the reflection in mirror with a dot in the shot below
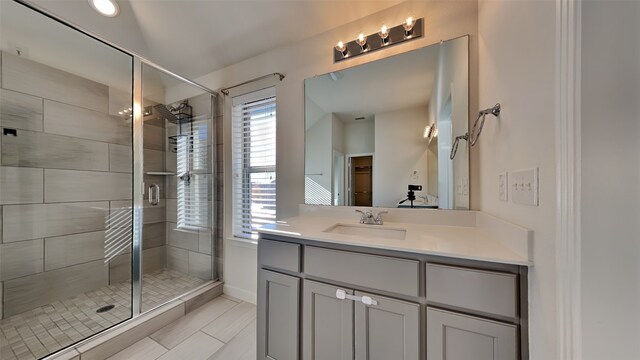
(380, 134)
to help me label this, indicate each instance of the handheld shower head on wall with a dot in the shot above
(476, 130)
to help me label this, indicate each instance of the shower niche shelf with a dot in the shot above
(160, 173)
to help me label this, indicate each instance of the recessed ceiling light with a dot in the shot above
(107, 8)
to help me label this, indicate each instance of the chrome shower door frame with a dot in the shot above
(138, 152)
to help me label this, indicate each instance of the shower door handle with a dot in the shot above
(154, 194)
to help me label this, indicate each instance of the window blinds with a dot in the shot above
(193, 175)
(254, 162)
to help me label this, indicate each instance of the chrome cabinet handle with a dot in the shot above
(154, 194)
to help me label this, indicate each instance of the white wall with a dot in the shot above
(517, 68)
(359, 137)
(394, 170)
(610, 176)
(444, 20)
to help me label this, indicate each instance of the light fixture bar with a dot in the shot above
(372, 42)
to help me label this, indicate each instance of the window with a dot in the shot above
(193, 177)
(254, 162)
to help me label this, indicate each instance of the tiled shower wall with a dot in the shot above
(67, 166)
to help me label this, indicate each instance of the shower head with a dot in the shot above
(164, 112)
(495, 110)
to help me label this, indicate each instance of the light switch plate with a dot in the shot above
(524, 187)
(503, 186)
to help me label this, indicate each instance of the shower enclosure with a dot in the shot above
(107, 172)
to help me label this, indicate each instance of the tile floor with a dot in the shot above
(49, 328)
(222, 329)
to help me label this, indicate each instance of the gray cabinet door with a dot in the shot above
(278, 309)
(327, 323)
(454, 336)
(388, 329)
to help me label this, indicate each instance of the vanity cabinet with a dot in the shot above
(339, 328)
(322, 301)
(278, 316)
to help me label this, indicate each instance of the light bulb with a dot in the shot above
(362, 41)
(427, 131)
(342, 48)
(408, 25)
(384, 34)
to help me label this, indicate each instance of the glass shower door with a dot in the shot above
(65, 184)
(177, 241)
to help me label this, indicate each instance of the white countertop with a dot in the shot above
(464, 242)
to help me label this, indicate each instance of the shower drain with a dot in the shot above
(105, 308)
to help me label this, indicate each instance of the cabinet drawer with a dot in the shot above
(478, 290)
(278, 254)
(372, 271)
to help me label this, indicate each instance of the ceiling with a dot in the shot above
(196, 37)
(402, 81)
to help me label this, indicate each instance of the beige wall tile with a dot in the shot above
(21, 185)
(182, 239)
(72, 185)
(172, 210)
(33, 78)
(200, 265)
(24, 222)
(120, 158)
(153, 214)
(21, 259)
(153, 259)
(120, 269)
(28, 292)
(20, 111)
(205, 242)
(153, 160)
(37, 149)
(171, 187)
(63, 251)
(119, 100)
(153, 235)
(153, 137)
(178, 259)
(79, 122)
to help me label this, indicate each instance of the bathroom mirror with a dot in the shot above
(375, 131)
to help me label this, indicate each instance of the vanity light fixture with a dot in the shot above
(362, 41)
(342, 49)
(108, 8)
(410, 29)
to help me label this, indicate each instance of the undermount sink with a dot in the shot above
(368, 231)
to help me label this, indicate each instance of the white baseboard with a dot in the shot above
(242, 294)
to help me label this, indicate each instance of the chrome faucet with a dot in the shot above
(368, 218)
